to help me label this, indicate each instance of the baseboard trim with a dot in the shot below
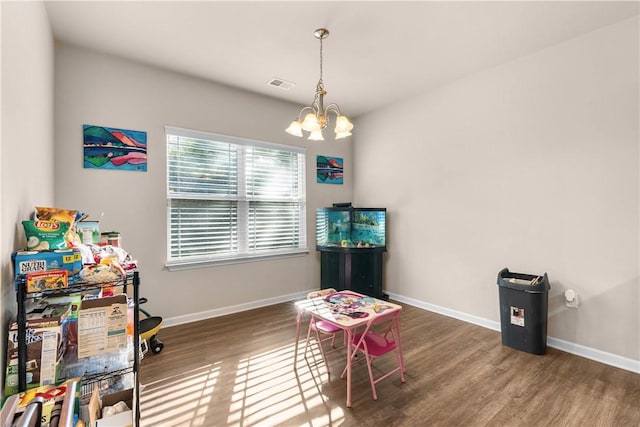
(469, 318)
(567, 346)
(203, 315)
(595, 354)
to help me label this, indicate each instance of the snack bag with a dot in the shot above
(102, 273)
(69, 216)
(49, 214)
(45, 235)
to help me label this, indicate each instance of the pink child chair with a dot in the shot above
(321, 327)
(374, 345)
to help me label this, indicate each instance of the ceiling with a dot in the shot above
(377, 52)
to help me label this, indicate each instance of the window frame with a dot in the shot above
(242, 198)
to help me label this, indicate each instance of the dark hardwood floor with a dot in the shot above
(237, 370)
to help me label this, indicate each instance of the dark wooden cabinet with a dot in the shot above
(356, 269)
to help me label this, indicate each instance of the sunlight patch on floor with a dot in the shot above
(268, 391)
(181, 398)
(263, 389)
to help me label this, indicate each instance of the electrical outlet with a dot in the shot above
(571, 298)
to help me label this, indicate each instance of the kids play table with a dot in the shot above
(347, 310)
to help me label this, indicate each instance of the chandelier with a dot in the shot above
(317, 117)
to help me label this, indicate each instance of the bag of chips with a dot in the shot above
(45, 235)
(70, 216)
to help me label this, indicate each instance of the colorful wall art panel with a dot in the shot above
(110, 148)
(329, 170)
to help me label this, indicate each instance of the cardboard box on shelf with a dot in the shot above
(45, 340)
(99, 418)
(48, 306)
(102, 326)
(47, 280)
(123, 419)
(26, 262)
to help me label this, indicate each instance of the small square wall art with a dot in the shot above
(111, 148)
(329, 170)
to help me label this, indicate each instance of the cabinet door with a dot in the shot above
(366, 273)
(332, 271)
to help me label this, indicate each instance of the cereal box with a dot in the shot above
(102, 326)
(26, 262)
(46, 339)
(46, 280)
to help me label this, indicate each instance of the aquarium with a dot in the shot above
(351, 227)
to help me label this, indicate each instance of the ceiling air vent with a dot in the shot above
(280, 83)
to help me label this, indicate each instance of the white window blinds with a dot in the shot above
(231, 198)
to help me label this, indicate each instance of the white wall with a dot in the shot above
(26, 150)
(533, 166)
(92, 88)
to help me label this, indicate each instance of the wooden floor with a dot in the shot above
(237, 370)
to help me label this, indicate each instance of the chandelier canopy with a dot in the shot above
(317, 116)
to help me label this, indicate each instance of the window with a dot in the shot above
(231, 199)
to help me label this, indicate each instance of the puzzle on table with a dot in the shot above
(353, 305)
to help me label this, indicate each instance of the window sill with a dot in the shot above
(212, 262)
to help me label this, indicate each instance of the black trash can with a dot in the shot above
(523, 310)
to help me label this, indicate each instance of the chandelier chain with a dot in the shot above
(321, 62)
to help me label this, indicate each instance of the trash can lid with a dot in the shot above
(523, 282)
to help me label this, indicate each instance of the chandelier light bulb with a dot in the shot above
(316, 135)
(340, 135)
(295, 128)
(310, 123)
(343, 124)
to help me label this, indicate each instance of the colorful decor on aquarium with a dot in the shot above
(349, 227)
